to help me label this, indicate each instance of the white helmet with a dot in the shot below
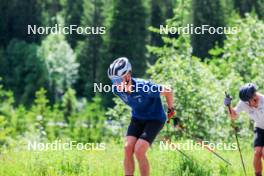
(119, 68)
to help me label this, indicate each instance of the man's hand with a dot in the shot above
(231, 111)
(170, 113)
(227, 100)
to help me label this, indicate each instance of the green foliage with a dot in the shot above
(41, 102)
(60, 62)
(198, 94)
(56, 127)
(260, 9)
(160, 11)
(182, 13)
(247, 6)
(23, 71)
(242, 54)
(109, 162)
(3, 63)
(157, 19)
(89, 122)
(73, 15)
(15, 16)
(71, 119)
(51, 11)
(191, 168)
(213, 15)
(6, 112)
(39, 113)
(199, 87)
(119, 116)
(69, 104)
(20, 121)
(243, 6)
(90, 51)
(128, 34)
(4, 130)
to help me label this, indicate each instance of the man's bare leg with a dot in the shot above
(257, 160)
(129, 163)
(141, 148)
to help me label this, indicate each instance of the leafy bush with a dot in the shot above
(242, 54)
(6, 114)
(88, 125)
(60, 62)
(197, 92)
(191, 168)
(69, 103)
(4, 130)
(118, 119)
(39, 113)
(23, 71)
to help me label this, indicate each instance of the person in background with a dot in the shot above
(251, 102)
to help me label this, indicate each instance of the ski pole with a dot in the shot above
(181, 152)
(199, 141)
(169, 141)
(235, 131)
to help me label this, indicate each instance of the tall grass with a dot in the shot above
(109, 162)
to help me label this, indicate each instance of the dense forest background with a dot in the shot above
(47, 80)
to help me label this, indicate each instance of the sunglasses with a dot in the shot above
(117, 80)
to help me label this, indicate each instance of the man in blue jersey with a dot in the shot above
(148, 116)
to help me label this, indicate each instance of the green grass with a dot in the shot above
(109, 162)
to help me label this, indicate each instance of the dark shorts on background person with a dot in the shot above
(258, 137)
(144, 129)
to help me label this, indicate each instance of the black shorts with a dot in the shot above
(258, 137)
(144, 129)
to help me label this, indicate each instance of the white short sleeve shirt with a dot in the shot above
(256, 114)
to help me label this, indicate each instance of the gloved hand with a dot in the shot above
(170, 113)
(227, 100)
